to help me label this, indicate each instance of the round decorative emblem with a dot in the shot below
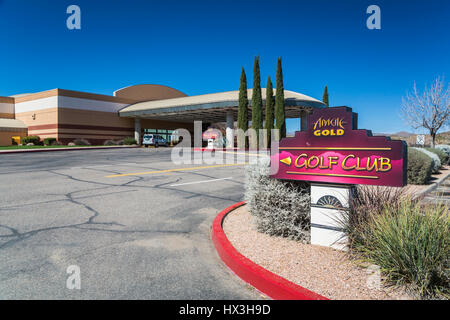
(329, 202)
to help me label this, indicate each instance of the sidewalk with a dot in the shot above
(62, 149)
(440, 194)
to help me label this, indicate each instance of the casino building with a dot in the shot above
(68, 115)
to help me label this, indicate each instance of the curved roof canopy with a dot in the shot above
(212, 107)
(146, 92)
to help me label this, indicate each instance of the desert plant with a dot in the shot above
(257, 113)
(326, 98)
(420, 167)
(367, 202)
(243, 111)
(35, 140)
(280, 108)
(436, 162)
(410, 243)
(280, 208)
(81, 142)
(110, 143)
(49, 141)
(443, 157)
(446, 149)
(269, 119)
(129, 141)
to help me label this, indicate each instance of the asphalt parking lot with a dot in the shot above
(139, 236)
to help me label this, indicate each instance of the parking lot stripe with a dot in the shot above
(173, 170)
(203, 181)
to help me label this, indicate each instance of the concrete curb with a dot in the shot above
(433, 186)
(265, 281)
(64, 149)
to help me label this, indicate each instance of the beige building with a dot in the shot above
(68, 115)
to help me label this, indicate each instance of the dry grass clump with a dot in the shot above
(407, 239)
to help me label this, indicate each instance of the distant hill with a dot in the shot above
(410, 138)
(403, 134)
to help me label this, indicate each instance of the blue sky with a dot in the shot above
(200, 46)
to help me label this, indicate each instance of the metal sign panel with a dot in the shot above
(334, 150)
(420, 139)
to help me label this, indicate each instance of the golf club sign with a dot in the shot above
(334, 156)
(333, 150)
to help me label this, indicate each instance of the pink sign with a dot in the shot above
(334, 150)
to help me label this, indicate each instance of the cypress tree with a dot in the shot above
(325, 97)
(269, 111)
(280, 116)
(243, 105)
(257, 119)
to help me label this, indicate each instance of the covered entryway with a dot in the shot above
(212, 108)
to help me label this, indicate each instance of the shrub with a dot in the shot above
(434, 158)
(446, 149)
(411, 245)
(35, 140)
(81, 142)
(49, 141)
(367, 202)
(443, 157)
(420, 167)
(110, 143)
(129, 141)
(280, 208)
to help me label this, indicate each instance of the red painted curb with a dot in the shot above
(61, 149)
(274, 286)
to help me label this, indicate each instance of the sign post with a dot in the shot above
(334, 155)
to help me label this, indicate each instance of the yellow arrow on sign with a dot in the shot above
(287, 161)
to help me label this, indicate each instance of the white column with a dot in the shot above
(304, 121)
(329, 204)
(137, 130)
(230, 127)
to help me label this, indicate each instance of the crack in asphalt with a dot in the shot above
(62, 200)
(18, 236)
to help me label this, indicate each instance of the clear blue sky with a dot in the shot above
(200, 46)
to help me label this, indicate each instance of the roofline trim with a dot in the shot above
(213, 105)
(149, 84)
(9, 100)
(71, 94)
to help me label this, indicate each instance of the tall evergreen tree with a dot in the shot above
(243, 105)
(325, 97)
(257, 115)
(269, 111)
(280, 116)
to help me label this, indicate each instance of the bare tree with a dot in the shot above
(429, 109)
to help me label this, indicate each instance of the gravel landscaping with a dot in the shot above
(323, 270)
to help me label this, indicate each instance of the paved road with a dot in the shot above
(133, 237)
